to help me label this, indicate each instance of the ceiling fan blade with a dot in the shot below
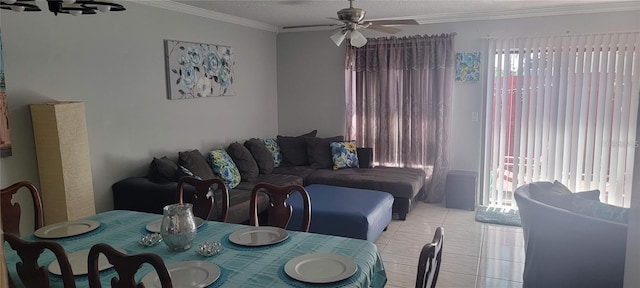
(394, 22)
(308, 26)
(390, 30)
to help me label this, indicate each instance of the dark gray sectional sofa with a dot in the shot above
(150, 194)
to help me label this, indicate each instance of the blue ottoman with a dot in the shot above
(342, 211)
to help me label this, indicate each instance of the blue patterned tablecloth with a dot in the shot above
(242, 267)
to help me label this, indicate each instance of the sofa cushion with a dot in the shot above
(239, 205)
(224, 167)
(400, 182)
(294, 149)
(300, 171)
(275, 179)
(319, 151)
(596, 209)
(162, 170)
(274, 148)
(344, 155)
(548, 194)
(261, 154)
(194, 161)
(244, 161)
(582, 203)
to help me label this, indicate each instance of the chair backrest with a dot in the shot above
(279, 212)
(125, 265)
(429, 262)
(29, 271)
(11, 212)
(204, 198)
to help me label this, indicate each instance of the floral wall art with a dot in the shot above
(196, 70)
(468, 67)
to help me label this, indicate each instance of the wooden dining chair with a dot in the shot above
(28, 269)
(11, 212)
(430, 260)
(204, 197)
(125, 265)
(279, 212)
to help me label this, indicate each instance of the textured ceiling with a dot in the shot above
(306, 12)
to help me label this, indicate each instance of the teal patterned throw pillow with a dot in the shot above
(224, 167)
(344, 155)
(274, 148)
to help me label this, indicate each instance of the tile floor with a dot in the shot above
(475, 254)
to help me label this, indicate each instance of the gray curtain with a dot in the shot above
(398, 98)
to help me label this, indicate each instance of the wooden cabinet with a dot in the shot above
(62, 149)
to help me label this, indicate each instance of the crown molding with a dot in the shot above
(586, 8)
(532, 12)
(191, 10)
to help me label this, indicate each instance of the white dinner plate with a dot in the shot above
(154, 226)
(258, 236)
(66, 229)
(78, 261)
(320, 268)
(186, 274)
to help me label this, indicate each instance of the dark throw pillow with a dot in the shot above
(319, 151)
(261, 154)
(244, 161)
(584, 203)
(294, 149)
(162, 170)
(194, 162)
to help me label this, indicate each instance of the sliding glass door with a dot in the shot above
(561, 108)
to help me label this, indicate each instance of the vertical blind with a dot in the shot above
(562, 108)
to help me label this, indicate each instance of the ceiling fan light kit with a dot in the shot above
(72, 7)
(351, 20)
(357, 39)
(338, 37)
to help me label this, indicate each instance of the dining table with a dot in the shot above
(239, 265)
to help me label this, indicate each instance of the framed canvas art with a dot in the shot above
(196, 70)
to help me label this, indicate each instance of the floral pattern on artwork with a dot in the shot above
(224, 167)
(468, 67)
(196, 70)
(344, 155)
(274, 148)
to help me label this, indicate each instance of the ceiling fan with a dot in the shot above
(352, 19)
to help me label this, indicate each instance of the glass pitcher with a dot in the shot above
(178, 226)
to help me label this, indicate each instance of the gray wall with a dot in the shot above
(114, 63)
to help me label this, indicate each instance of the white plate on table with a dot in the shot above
(66, 229)
(154, 226)
(320, 268)
(258, 236)
(78, 261)
(186, 274)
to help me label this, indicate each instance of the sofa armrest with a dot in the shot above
(365, 157)
(141, 194)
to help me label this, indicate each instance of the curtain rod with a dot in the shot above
(568, 33)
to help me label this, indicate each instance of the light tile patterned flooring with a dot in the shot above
(474, 254)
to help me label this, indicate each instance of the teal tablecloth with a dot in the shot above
(242, 267)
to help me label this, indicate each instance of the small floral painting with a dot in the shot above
(468, 67)
(196, 70)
